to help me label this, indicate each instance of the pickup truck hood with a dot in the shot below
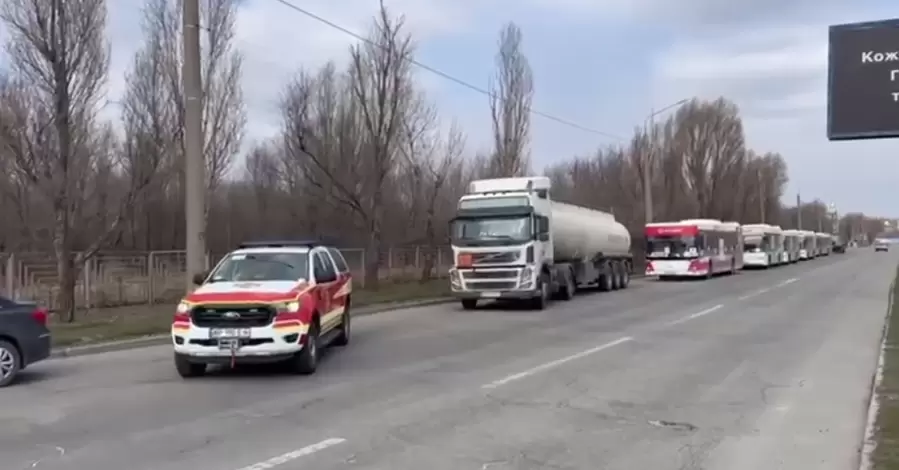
(256, 291)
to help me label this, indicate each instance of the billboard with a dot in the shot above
(863, 82)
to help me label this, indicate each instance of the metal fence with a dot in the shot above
(135, 278)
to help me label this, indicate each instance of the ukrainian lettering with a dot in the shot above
(878, 57)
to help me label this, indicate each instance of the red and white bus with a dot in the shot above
(693, 248)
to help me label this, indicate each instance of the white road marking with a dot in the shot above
(556, 363)
(753, 294)
(696, 315)
(295, 454)
(788, 282)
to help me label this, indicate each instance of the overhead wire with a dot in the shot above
(443, 74)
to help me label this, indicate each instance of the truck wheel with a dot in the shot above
(469, 304)
(568, 287)
(306, 361)
(187, 369)
(539, 302)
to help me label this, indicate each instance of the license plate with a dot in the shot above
(490, 295)
(218, 333)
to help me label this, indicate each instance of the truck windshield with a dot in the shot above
(242, 267)
(494, 228)
(667, 247)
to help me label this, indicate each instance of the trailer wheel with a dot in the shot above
(625, 276)
(607, 283)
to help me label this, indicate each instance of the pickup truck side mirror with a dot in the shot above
(199, 278)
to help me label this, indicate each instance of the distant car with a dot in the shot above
(24, 337)
(265, 302)
(881, 245)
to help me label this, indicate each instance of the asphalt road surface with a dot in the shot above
(763, 370)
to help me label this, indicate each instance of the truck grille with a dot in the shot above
(498, 257)
(498, 274)
(491, 285)
(224, 317)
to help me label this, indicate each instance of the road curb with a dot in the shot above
(157, 340)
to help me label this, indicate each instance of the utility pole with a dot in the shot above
(761, 196)
(647, 176)
(649, 128)
(798, 212)
(194, 163)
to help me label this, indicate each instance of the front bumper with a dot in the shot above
(265, 344)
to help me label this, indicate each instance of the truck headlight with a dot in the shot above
(455, 279)
(525, 279)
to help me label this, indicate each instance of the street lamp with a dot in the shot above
(649, 128)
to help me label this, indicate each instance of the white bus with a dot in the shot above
(763, 245)
(807, 245)
(792, 245)
(823, 243)
(693, 248)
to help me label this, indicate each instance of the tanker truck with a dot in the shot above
(512, 242)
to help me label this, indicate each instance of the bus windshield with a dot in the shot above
(669, 247)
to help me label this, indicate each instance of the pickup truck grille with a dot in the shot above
(232, 317)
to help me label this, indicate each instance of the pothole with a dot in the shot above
(673, 425)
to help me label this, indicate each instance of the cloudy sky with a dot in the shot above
(601, 63)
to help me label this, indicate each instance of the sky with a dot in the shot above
(604, 64)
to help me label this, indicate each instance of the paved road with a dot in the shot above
(760, 370)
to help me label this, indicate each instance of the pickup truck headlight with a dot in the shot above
(289, 307)
(182, 307)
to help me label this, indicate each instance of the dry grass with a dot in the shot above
(109, 324)
(886, 454)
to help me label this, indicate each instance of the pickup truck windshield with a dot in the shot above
(241, 267)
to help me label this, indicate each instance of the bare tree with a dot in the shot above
(59, 60)
(511, 94)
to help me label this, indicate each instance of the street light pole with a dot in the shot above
(194, 164)
(649, 129)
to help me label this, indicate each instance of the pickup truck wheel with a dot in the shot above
(469, 304)
(187, 369)
(343, 338)
(306, 361)
(10, 363)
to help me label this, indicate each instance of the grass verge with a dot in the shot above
(119, 323)
(886, 428)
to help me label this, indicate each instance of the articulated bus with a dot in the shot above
(693, 248)
(807, 245)
(792, 245)
(763, 245)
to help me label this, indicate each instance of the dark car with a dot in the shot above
(24, 337)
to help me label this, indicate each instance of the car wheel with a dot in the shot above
(10, 363)
(306, 361)
(343, 338)
(188, 369)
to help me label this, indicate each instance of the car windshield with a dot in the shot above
(496, 228)
(239, 267)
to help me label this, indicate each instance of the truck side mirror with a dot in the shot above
(543, 237)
